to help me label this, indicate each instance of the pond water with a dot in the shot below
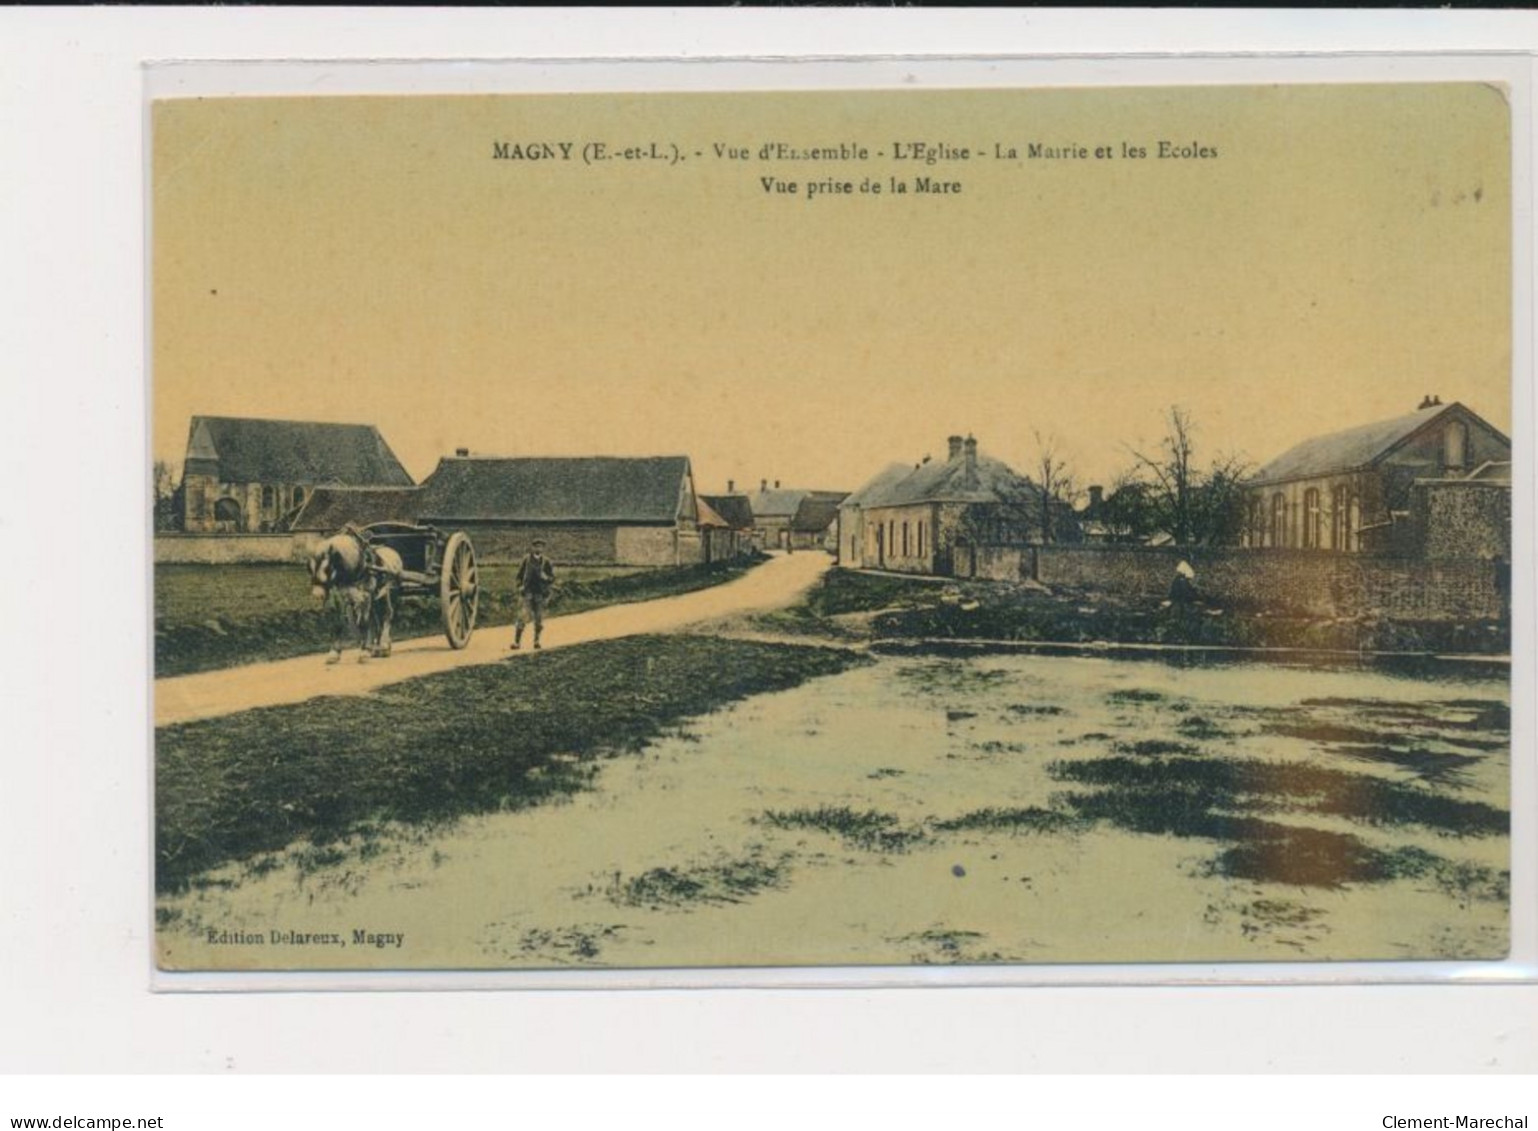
(1017, 809)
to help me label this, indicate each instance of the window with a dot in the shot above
(268, 496)
(905, 539)
(1312, 525)
(1455, 445)
(1340, 519)
(227, 514)
(1278, 519)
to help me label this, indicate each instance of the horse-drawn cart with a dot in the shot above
(434, 565)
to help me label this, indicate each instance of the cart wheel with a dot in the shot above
(458, 589)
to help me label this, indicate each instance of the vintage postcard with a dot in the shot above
(999, 527)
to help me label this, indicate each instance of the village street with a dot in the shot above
(775, 584)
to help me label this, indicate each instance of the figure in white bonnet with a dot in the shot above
(1183, 588)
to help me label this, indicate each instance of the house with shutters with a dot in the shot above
(247, 476)
(1381, 486)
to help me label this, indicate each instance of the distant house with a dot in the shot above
(1355, 490)
(244, 476)
(936, 517)
(732, 513)
(813, 526)
(595, 510)
(773, 508)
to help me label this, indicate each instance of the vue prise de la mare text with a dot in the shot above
(889, 169)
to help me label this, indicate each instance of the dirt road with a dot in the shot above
(181, 699)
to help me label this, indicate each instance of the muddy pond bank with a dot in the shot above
(975, 809)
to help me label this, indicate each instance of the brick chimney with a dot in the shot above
(953, 443)
(731, 486)
(969, 448)
(462, 453)
(763, 484)
(1096, 497)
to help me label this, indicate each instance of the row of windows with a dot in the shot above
(900, 539)
(1309, 526)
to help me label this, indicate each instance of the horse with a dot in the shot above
(365, 579)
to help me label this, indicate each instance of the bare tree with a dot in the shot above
(1196, 506)
(167, 493)
(1055, 480)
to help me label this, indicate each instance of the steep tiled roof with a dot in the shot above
(295, 451)
(1353, 448)
(734, 509)
(872, 493)
(556, 489)
(777, 502)
(331, 508)
(954, 481)
(816, 513)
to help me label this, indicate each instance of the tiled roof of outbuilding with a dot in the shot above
(556, 489)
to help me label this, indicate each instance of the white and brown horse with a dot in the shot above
(365, 580)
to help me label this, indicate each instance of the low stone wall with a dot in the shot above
(230, 549)
(1309, 582)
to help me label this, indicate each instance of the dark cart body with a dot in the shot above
(435, 565)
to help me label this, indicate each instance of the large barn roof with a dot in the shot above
(295, 451)
(1355, 447)
(556, 489)
(331, 508)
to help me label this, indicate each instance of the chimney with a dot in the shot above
(763, 484)
(462, 453)
(970, 448)
(954, 444)
(731, 486)
(776, 484)
(1096, 496)
(1425, 403)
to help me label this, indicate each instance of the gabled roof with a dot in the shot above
(986, 480)
(557, 489)
(707, 515)
(331, 508)
(295, 451)
(777, 502)
(734, 509)
(816, 513)
(872, 492)
(1355, 448)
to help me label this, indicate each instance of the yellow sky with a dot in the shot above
(367, 259)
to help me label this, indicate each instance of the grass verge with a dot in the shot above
(209, 617)
(473, 740)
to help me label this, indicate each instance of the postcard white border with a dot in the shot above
(76, 931)
(341, 78)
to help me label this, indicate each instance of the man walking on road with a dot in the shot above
(535, 577)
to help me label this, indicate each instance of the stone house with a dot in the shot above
(590, 510)
(1355, 490)
(245, 476)
(940, 516)
(774, 508)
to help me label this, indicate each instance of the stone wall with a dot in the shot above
(656, 546)
(1463, 518)
(230, 549)
(500, 542)
(1300, 581)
